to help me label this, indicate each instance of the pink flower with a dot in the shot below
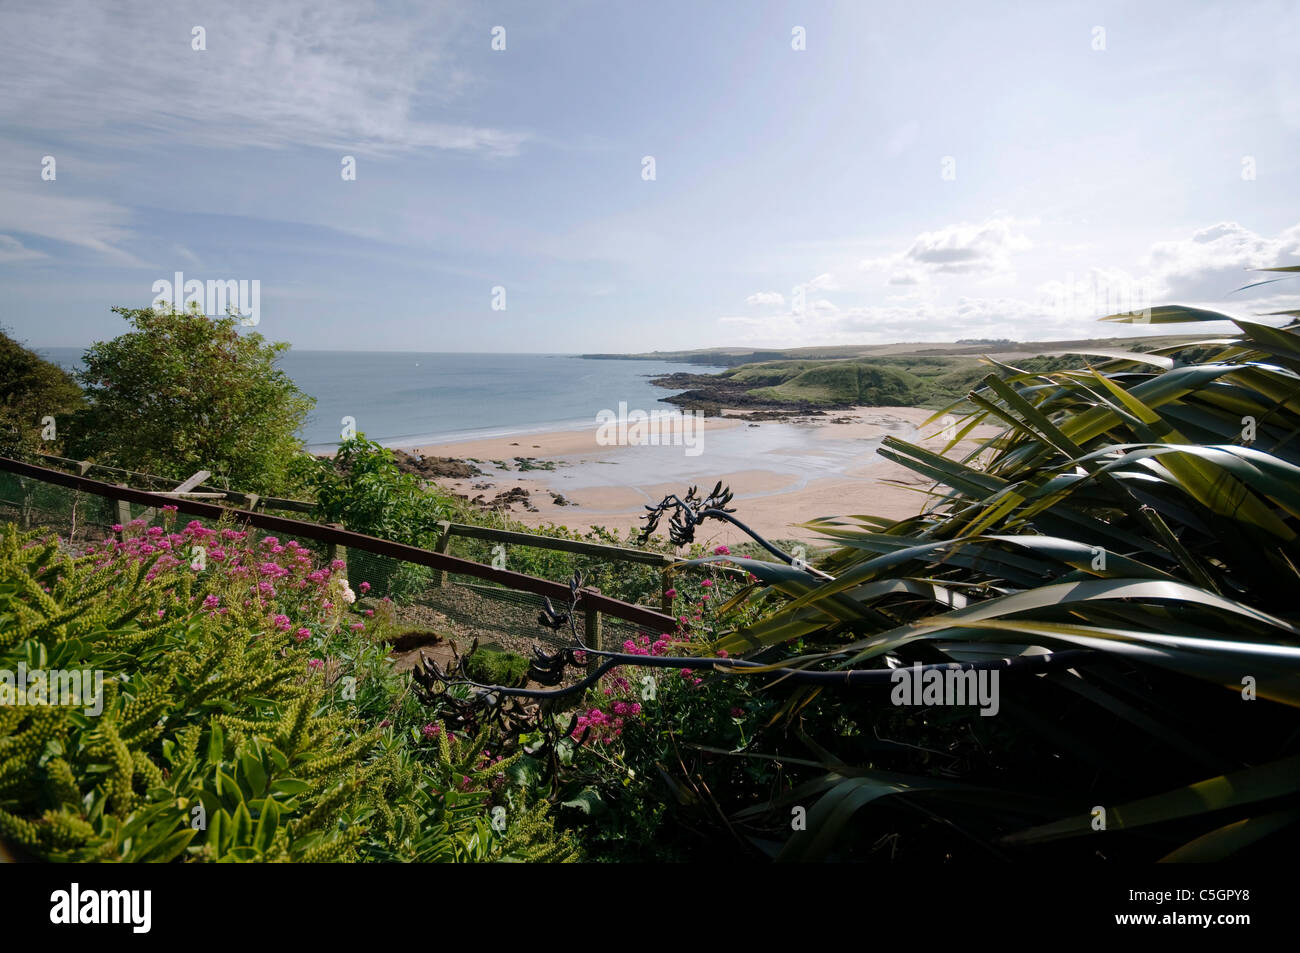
(430, 730)
(670, 593)
(338, 564)
(303, 634)
(365, 587)
(370, 612)
(315, 663)
(721, 551)
(169, 508)
(357, 626)
(706, 583)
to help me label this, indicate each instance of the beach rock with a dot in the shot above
(431, 468)
(505, 499)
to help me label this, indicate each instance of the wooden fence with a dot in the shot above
(594, 604)
(448, 530)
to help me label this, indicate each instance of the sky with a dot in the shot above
(569, 176)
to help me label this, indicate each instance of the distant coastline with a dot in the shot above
(764, 384)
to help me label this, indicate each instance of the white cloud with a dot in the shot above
(1202, 269)
(766, 298)
(968, 249)
(1214, 261)
(94, 224)
(11, 249)
(358, 77)
(982, 251)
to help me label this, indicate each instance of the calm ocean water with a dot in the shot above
(408, 399)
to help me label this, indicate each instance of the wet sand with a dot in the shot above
(782, 473)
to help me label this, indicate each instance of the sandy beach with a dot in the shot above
(782, 473)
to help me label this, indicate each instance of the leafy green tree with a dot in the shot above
(363, 489)
(185, 392)
(31, 389)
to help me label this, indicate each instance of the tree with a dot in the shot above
(185, 392)
(363, 489)
(31, 390)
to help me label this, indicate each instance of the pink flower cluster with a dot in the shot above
(598, 726)
(278, 579)
(642, 645)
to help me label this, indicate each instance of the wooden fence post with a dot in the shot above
(444, 541)
(123, 515)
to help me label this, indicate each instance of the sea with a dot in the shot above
(408, 399)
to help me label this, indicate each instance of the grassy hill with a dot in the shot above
(914, 350)
(918, 380)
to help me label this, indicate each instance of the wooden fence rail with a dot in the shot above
(592, 600)
(448, 530)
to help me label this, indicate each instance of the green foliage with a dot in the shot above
(492, 667)
(363, 489)
(32, 388)
(1145, 509)
(214, 739)
(210, 744)
(654, 795)
(183, 392)
(849, 383)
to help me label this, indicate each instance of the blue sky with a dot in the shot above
(1098, 153)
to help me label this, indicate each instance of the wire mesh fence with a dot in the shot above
(445, 601)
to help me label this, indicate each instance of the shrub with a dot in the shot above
(237, 720)
(184, 392)
(492, 667)
(1143, 509)
(31, 389)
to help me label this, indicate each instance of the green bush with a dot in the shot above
(493, 667)
(31, 389)
(184, 392)
(220, 736)
(1144, 509)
